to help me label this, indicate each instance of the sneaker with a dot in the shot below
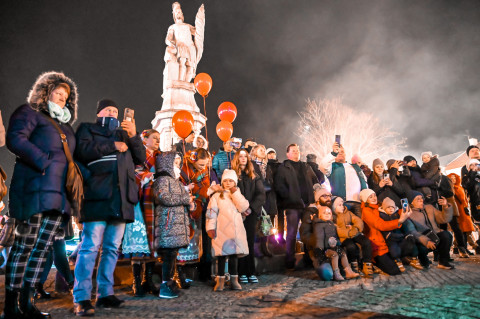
(109, 302)
(243, 279)
(415, 263)
(400, 265)
(83, 308)
(253, 279)
(445, 265)
(166, 292)
(463, 252)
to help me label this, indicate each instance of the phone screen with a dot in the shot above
(128, 114)
(404, 202)
(337, 139)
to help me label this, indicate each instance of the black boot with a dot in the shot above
(27, 303)
(11, 310)
(137, 280)
(182, 277)
(264, 247)
(147, 282)
(40, 293)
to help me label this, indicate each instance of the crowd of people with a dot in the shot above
(189, 207)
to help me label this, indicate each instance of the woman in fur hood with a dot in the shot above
(37, 191)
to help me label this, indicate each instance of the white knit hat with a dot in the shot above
(427, 153)
(365, 194)
(230, 174)
(271, 150)
(472, 161)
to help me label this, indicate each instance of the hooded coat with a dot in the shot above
(464, 221)
(224, 215)
(315, 232)
(171, 206)
(347, 218)
(41, 165)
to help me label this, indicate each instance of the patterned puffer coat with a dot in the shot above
(171, 206)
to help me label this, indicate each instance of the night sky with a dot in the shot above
(415, 64)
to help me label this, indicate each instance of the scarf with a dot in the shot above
(57, 112)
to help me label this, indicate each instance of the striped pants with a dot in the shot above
(29, 251)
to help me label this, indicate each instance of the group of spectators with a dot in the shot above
(186, 207)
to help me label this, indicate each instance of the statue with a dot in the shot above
(184, 51)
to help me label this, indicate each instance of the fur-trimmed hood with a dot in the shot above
(164, 163)
(44, 85)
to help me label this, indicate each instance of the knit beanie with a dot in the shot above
(319, 191)
(335, 203)
(427, 153)
(387, 202)
(230, 174)
(104, 103)
(365, 194)
(270, 150)
(412, 194)
(311, 158)
(355, 159)
(390, 162)
(409, 158)
(470, 148)
(376, 162)
(472, 161)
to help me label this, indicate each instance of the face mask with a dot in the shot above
(110, 122)
(56, 112)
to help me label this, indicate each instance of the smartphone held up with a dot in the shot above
(128, 114)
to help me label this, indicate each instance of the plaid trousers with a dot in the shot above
(29, 252)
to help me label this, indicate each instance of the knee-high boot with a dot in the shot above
(12, 310)
(27, 303)
(137, 280)
(147, 282)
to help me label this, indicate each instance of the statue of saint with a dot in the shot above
(184, 46)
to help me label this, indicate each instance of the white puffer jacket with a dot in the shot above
(224, 216)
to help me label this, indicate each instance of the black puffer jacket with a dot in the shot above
(394, 192)
(110, 190)
(253, 191)
(41, 165)
(270, 197)
(471, 182)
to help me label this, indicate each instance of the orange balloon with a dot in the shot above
(227, 111)
(224, 130)
(182, 123)
(203, 83)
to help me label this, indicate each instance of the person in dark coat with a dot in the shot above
(38, 196)
(110, 150)
(469, 177)
(259, 159)
(294, 186)
(251, 187)
(312, 161)
(419, 183)
(403, 177)
(384, 184)
(273, 164)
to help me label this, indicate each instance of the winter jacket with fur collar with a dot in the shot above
(41, 165)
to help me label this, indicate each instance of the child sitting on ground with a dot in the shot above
(224, 225)
(319, 233)
(401, 242)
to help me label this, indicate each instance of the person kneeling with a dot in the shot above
(224, 226)
(319, 233)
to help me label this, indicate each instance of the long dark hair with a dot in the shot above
(249, 169)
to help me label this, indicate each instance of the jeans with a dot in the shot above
(95, 234)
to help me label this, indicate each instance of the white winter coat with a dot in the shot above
(224, 216)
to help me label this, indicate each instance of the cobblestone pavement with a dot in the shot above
(428, 294)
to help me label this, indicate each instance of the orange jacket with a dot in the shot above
(464, 221)
(374, 225)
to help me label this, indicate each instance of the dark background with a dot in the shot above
(415, 64)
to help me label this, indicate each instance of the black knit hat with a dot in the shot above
(409, 158)
(104, 103)
(470, 148)
(311, 158)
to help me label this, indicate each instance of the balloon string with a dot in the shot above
(206, 131)
(186, 161)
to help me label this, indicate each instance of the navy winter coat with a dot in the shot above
(110, 189)
(39, 176)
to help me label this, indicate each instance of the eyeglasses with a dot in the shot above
(326, 195)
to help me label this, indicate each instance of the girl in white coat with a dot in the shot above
(224, 226)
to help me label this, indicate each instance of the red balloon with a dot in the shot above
(227, 111)
(203, 83)
(224, 130)
(182, 123)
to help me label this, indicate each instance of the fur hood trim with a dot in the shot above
(44, 85)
